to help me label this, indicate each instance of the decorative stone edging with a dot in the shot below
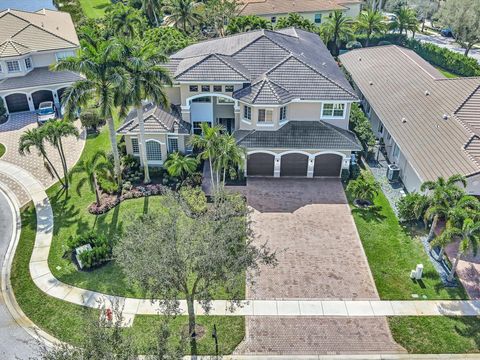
(44, 279)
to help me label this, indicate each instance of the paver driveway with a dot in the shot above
(10, 133)
(320, 257)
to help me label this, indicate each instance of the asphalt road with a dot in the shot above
(14, 341)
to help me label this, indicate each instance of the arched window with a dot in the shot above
(154, 151)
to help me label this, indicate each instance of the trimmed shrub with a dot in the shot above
(412, 207)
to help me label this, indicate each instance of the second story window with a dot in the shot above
(28, 63)
(333, 110)
(13, 66)
(247, 112)
(193, 88)
(283, 113)
(205, 88)
(61, 55)
(217, 88)
(265, 116)
(228, 88)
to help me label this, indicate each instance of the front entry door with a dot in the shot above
(227, 123)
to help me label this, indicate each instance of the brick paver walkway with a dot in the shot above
(321, 257)
(10, 133)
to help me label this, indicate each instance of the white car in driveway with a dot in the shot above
(46, 111)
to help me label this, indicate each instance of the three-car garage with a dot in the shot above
(294, 164)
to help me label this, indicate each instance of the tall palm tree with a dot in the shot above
(124, 21)
(336, 29)
(370, 22)
(467, 234)
(182, 14)
(179, 165)
(35, 138)
(406, 19)
(443, 194)
(90, 167)
(98, 62)
(152, 9)
(147, 80)
(209, 144)
(230, 157)
(54, 131)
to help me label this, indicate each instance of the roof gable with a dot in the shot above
(12, 48)
(264, 92)
(214, 68)
(40, 39)
(10, 24)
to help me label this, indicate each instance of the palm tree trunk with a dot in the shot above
(211, 174)
(44, 154)
(451, 276)
(116, 157)
(431, 234)
(143, 145)
(64, 160)
(95, 186)
(155, 16)
(224, 175)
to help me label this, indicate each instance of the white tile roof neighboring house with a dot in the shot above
(280, 66)
(271, 7)
(22, 32)
(39, 77)
(434, 120)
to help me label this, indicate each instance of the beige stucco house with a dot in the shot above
(29, 44)
(279, 92)
(430, 124)
(314, 10)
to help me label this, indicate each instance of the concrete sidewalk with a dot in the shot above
(45, 280)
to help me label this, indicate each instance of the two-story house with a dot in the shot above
(280, 93)
(317, 11)
(29, 43)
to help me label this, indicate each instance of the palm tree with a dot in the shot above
(209, 143)
(54, 131)
(467, 234)
(90, 167)
(364, 188)
(146, 82)
(181, 166)
(370, 22)
(35, 138)
(98, 62)
(337, 29)
(182, 14)
(124, 21)
(443, 194)
(406, 19)
(246, 23)
(295, 20)
(230, 157)
(152, 9)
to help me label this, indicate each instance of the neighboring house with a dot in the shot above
(317, 11)
(29, 43)
(430, 124)
(280, 92)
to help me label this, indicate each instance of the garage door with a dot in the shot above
(17, 102)
(327, 165)
(260, 164)
(41, 96)
(294, 165)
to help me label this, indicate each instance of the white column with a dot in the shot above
(311, 165)
(31, 105)
(346, 162)
(276, 169)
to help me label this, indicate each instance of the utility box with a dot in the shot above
(419, 272)
(393, 173)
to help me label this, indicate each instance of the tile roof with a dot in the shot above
(411, 98)
(12, 48)
(264, 92)
(38, 77)
(306, 135)
(155, 119)
(293, 59)
(37, 31)
(271, 7)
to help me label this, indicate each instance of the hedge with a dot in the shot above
(444, 58)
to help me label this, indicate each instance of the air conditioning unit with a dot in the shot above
(393, 173)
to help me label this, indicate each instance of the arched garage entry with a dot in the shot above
(294, 164)
(60, 94)
(328, 165)
(260, 164)
(41, 96)
(17, 102)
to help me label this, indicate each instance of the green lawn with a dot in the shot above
(393, 252)
(94, 8)
(2, 150)
(437, 334)
(66, 321)
(447, 73)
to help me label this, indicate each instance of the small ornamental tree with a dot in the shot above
(177, 256)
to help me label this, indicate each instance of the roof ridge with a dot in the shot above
(468, 98)
(259, 89)
(470, 156)
(48, 32)
(219, 56)
(262, 36)
(267, 80)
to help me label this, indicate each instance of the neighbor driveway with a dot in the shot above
(320, 256)
(10, 133)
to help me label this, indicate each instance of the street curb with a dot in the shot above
(7, 291)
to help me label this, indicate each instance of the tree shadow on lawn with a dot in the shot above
(370, 214)
(471, 328)
(66, 214)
